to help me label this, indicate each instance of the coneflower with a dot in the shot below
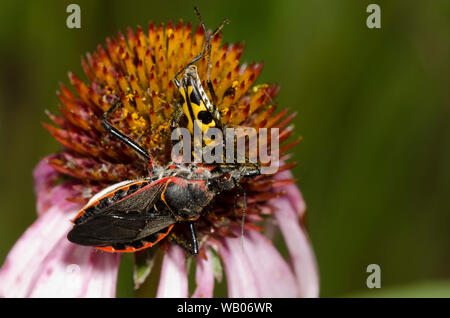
(138, 69)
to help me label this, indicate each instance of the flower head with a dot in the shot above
(138, 69)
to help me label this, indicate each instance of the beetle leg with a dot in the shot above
(195, 59)
(211, 90)
(178, 113)
(121, 136)
(207, 50)
(251, 170)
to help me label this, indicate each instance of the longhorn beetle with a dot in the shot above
(136, 214)
(195, 104)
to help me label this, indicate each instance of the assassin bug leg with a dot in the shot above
(193, 238)
(121, 136)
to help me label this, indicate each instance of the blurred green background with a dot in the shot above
(373, 108)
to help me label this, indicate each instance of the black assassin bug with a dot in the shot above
(136, 214)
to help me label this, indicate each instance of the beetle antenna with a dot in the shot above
(208, 47)
(193, 238)
(244, 207)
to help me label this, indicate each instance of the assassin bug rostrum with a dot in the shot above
(136, 214)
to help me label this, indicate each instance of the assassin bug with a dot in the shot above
(136, 214)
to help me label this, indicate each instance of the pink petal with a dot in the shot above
(297, 242)
(103, 279)
(77, 271)
(48, 195)
(240, 279)
(173, 281)
(24, 261)
(292, 193)
(45, 177)
(43, 263)
(204, 277)
(258, 270)
(275, 276)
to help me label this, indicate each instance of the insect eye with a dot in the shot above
(205, 117)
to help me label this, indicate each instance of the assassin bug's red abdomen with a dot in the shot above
(134, 215)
